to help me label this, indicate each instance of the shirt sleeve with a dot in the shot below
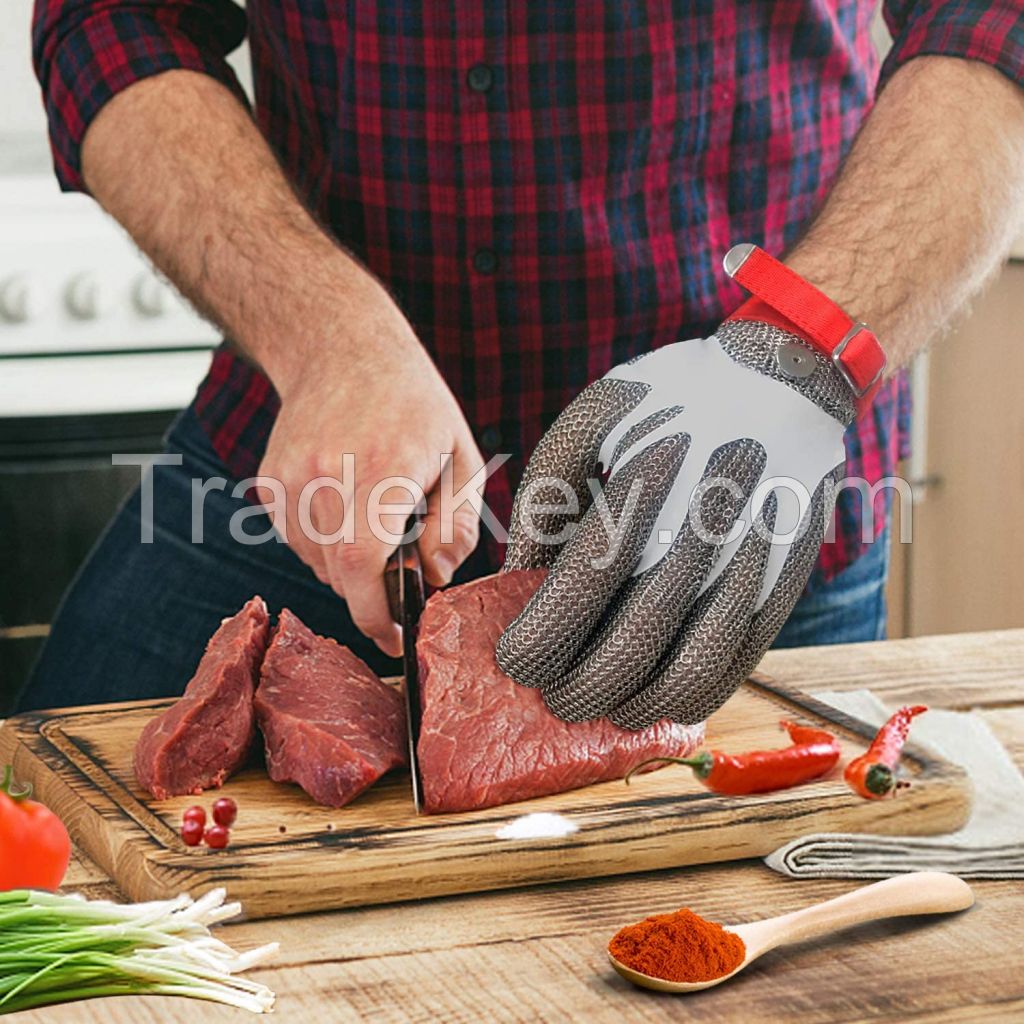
(972, 29)
(87, 51)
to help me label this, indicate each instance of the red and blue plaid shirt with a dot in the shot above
(548, 188)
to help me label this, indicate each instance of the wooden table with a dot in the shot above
(539, 954)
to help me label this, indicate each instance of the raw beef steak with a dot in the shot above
(328, 722)
(200, 740)
(485, 740)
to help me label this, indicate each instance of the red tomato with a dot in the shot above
(34, 844)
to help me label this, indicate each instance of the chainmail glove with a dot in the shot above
(667, 585)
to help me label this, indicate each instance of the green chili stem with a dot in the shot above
(701, 764)
(879, 779)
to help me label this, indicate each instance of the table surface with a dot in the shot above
(538, 954)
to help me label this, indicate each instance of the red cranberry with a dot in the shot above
(191, 832)
(195, 813)
(217, 837)
(225, 811)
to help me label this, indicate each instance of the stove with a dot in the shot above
(86, 324)
(98, 353)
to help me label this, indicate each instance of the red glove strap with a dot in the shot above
(784, 299)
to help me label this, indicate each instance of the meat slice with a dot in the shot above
(484, 739)
(328, 722)
(207, 734)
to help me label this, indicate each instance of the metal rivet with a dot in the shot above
(795, 361)
(736, 257)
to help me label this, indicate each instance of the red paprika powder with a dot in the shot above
(678, 947)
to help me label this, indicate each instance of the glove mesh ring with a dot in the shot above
(549, 634)
(651, 608)
(756, 344)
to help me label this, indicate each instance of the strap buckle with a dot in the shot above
(810, 314)
(837, 361)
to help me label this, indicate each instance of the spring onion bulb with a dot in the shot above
(55, 949)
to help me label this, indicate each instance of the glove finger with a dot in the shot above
(766, 623)
(567, 454)
(640, 430)
(547, 636)
(716, 627)
(652, 607)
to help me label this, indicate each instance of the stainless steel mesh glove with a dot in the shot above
(667, 585)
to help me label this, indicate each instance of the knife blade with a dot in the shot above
(403, 579)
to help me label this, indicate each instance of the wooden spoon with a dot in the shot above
(923, 892)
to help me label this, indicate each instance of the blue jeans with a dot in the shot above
(848, 609)
(135, 620)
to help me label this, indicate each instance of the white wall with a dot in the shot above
(22, 108)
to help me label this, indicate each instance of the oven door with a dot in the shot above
(61, 419)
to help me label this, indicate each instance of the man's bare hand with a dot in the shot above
(352, 376)
(376, 397)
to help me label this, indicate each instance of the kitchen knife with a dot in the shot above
(403, 579)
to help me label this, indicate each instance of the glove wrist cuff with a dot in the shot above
(774, 350)
(782, 298)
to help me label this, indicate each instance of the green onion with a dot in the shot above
(55, 949)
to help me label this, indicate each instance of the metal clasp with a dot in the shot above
(837, 361)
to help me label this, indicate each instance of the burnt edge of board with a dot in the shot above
(62, 750)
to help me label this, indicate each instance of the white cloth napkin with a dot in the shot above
(990, 845)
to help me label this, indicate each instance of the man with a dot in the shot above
(504, 202)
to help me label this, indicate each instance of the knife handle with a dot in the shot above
(392, 584)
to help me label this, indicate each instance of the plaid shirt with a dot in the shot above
(547, 188)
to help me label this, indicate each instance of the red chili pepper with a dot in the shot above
(34, 844)
(873, 774)
(812, 754)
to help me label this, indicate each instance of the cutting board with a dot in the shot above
(288, 855)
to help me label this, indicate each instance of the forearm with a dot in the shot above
(927, 204)
(178, 161)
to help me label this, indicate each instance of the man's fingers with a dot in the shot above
(441, 559)
(553, 491)
(284, 517)
(547, 636)
(651, 609)
(359, 569)
(450, 535)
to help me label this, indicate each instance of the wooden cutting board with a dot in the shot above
(289, 855)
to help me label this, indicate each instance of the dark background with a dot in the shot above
(57, 492)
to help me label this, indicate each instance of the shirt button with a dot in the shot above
(480, 78)
(490, 438)
(485, 261)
